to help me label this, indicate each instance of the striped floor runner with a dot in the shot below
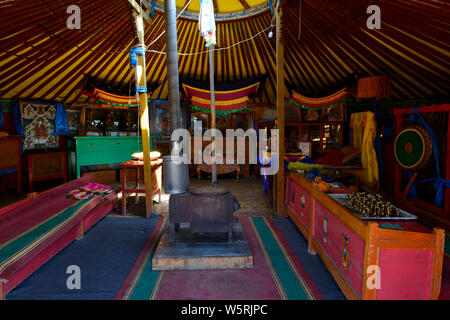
(142, 282)
(115, 258)
(277, 274)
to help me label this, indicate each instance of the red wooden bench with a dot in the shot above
(35, 229)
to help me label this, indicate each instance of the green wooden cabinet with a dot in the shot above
(106, 150)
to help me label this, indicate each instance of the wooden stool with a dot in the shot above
(134, 164)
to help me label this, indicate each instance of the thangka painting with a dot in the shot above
(38, 121)
(240, 121)
(311, 115)
(73, 119)
(162, 126)
(292, 113)
(222, 123)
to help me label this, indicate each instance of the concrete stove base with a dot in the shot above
(206, 251)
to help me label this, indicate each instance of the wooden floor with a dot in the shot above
(248, 191)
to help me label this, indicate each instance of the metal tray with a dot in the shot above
(342, 199)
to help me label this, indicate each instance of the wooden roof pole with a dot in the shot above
(141, 81)
(280, 113)
(140, 10)
(213, 113)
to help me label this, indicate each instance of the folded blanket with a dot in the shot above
(89, 191)
(332, 158)
(305, 166)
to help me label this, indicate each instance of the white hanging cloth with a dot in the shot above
(206, 22)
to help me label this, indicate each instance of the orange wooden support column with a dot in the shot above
(141, 81)
(280, 180)
(438, 261)
(371, 254)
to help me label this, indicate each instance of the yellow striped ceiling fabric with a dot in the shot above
(327, 47)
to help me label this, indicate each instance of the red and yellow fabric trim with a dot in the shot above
(103, 97)
(327, 102)
(225, 101)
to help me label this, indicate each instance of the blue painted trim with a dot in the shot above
(221, 16)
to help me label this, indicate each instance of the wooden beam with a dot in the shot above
(147, 4)
(216, 7)
(245, 4)
(141, 81)
(141, 10)
(213, 112)
(280, 180)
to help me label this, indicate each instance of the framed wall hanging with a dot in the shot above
(310, 115)
(73, 119)
(199, 122)
(334, 113)
(292, 113)
(240, 121)
(162, 125)
(38, 122)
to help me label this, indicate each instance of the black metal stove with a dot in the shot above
(205, 210)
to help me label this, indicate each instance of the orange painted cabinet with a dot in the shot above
(298, 201)
(342, 245)
(367, 261)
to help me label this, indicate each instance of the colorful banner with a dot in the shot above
(226, 101)
(229, 97)
(327, 102)
(103, 97)
(104, 92)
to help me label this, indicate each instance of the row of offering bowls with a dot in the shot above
(373, 205)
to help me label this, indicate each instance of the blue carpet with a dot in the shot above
(105, 257)
(312, 264)
(109, 250)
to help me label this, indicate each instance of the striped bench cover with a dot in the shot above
(17, 248)
(33, 230)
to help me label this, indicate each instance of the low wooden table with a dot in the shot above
(156, 180)
(220, 169)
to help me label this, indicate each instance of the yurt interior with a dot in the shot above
(221, 150)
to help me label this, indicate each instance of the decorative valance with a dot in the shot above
(327, 102)
(103, 92)
(229, 97)
(103, 97)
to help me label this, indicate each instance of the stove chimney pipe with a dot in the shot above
(172, 64)
(175, 175)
